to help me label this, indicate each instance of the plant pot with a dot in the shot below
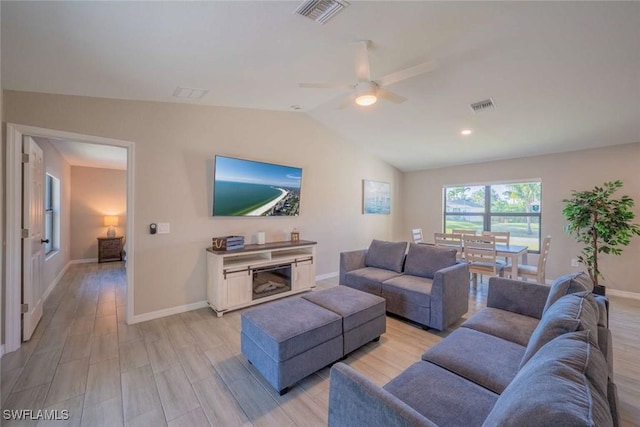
(599, 290)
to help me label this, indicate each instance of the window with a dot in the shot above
(51, 213)
(513, 207)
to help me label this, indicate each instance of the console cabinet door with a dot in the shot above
(305, 275)
(238, 288)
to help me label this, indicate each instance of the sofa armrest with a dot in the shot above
(449, 296)
(516, 296)
(351, 260)
(355, 401)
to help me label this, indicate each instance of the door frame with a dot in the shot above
(13, 252)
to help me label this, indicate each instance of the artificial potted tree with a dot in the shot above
(600, 222)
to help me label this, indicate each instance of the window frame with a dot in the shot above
(52, 214)
(487, 214)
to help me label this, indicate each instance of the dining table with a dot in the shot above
(513, 252)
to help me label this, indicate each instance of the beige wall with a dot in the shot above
(174, 149)
(560, 173)
(95, 192)
(56, 166)
(2, 151)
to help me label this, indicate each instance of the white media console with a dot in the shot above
(259, 273)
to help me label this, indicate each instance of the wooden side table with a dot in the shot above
(110, 248)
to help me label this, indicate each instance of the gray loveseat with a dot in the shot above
(532, 357)
(427, 286)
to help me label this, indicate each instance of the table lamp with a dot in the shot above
(111, 221)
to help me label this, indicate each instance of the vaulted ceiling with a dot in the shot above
(563, 75)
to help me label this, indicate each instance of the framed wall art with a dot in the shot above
(376, 197)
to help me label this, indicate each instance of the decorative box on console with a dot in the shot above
(227, 243)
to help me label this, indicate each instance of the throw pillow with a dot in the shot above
(574, 312)
(425, 260)
(564, 384)
(569, 284)
(386, 255)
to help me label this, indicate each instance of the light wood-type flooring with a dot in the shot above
(187, 369)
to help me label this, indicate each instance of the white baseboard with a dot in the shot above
(168, 312)
(83, 261)
(55, 281)
(623, 294)
(327, 276)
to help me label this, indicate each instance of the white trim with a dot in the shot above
(130, 235)
(623, 294)
(55, 281)
(168, 312)
(51, 254)
(83, 261)
(13, 254)
(327, 276)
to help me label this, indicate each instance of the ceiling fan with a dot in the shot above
(365, 91)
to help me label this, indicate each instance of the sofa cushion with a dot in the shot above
(355, 307)
(425, 260)
(503, 324)
(564, 384)
(368, 279)
(568, 284)
(386, 255)
(441, 396)
(484, 359)
(573, 312)
(413, 289)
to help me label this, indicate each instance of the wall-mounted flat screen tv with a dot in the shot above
(249, 188)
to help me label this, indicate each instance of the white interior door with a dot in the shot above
(33, 243)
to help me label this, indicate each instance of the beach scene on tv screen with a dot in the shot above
(249, 188)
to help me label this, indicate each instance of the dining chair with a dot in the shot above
(463, 232)
(449, 240)
(502, 237)
(416, 234)
(480, 254)
(535, 271)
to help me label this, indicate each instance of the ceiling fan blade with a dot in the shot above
(408, 73)
(390, 96)
(347, 102)
(363, 71)
(326, 85)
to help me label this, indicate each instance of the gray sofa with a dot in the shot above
(427, 285)
(535, 356)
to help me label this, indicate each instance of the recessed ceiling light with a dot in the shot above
(466, 132)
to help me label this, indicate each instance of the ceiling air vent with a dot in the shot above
(320, 10)
(483, 105)
(189, 92)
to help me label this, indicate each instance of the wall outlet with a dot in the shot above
(574, 262)
(163, 228)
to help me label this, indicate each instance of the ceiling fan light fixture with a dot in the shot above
(366, 94)
(366, 100)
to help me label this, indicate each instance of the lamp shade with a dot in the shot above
(110, 221)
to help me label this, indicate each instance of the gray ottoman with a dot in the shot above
(363, 314)
(290, 339)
